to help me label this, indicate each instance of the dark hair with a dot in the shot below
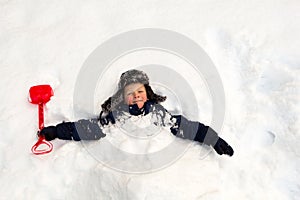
(117, 99)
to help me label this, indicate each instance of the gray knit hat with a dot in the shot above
(133, 76)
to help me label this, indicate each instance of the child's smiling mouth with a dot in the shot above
(135, 101)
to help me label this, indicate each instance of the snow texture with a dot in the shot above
(255, 48)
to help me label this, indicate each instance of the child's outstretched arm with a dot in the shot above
(197, 131)
(80, 130)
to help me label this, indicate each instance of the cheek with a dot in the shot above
(128, 100)
(145, 97)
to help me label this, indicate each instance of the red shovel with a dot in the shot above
(40, 95)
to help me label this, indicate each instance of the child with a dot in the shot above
(135, 97)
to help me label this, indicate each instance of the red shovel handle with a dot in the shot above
(41, 141)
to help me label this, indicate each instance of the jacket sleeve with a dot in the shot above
(192, 130)
(79, 130)
(84, 129)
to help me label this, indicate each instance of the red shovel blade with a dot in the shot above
(40, 94)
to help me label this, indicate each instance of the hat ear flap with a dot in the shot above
(153, 96)
(112, 102)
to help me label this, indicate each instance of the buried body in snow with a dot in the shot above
(136, 110)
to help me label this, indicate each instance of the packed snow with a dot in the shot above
(254, 46)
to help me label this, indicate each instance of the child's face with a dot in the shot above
(135, 93)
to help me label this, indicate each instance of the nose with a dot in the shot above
(136, 95)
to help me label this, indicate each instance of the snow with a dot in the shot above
(255, 48)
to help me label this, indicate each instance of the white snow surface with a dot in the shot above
(255, 48)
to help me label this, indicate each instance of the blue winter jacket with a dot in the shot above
(180, 126)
